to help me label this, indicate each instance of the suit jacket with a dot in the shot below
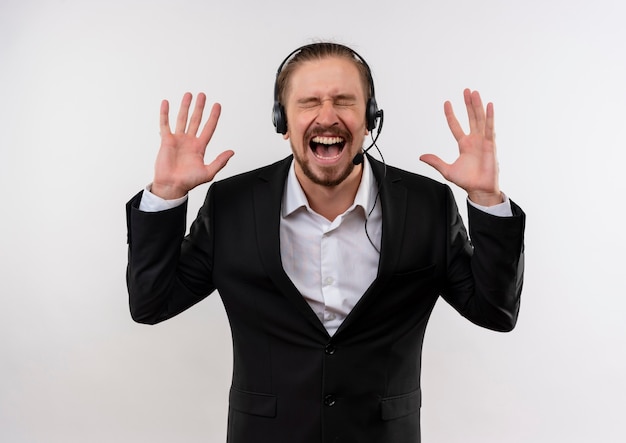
(292, 382)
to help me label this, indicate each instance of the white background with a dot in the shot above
(80, 87)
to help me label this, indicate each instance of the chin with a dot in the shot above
(327, 176)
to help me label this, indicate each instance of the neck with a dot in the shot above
(331, 201)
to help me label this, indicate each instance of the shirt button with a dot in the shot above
(330, 400)
(330, 350)
(328, 281)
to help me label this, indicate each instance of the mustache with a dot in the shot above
(328, 131)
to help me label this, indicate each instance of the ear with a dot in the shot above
(286, 135)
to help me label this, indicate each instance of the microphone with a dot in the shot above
(358, 158)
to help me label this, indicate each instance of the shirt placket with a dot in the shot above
(330, 275)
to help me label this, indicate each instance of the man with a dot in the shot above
(328, 263)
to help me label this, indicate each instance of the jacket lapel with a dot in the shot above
(268, 193)
(393, 200)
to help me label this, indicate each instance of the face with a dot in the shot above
(325, 107)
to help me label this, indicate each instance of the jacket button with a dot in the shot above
(330, 350)
(330, 400)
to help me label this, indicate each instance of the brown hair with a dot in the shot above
(319, 51)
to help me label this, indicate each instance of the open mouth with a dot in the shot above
(327, 148)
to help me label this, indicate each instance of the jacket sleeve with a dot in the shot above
(167, 272)
(485, 276)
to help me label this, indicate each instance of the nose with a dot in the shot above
(327, 115)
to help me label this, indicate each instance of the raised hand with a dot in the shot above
(476, 168)
(180, 163)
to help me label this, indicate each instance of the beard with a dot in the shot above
(328, 176)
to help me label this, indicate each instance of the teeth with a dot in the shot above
(327, 140)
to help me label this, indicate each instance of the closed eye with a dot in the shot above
(339, 100)
(308, 102)
(345, 100)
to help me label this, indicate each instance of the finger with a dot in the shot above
(437, 163)
(196, 117)
(218, 164)
(490, 132)
(183, 112)
(478, 111)
(164, 122)
(211, 124)
(471, 116)
(453, 123)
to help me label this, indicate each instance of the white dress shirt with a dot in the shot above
(331, 263)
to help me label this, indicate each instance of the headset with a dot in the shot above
(372, 113)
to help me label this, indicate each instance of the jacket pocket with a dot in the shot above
(253, 403)
(401, 405)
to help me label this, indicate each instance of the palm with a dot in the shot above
(476, 168)
(180, 163)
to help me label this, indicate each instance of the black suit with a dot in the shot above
(292, 382)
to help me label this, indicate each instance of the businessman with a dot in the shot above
(328, 262)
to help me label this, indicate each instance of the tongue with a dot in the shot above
(327, 151)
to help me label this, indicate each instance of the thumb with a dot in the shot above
(216, 165)
(435, 162)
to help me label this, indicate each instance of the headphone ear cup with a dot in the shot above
(279, 118)
(371, 114)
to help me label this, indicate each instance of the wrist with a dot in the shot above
(167, 192)
(486, 198)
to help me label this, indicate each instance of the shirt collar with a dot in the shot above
(294, 197)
